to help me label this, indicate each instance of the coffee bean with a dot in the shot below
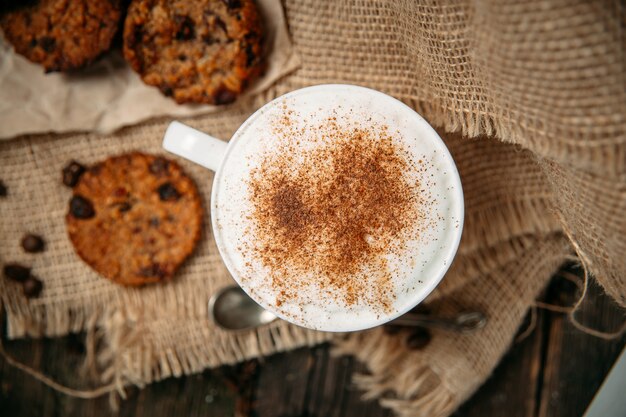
(72, 173)
(32, 287)
(81, 208)
(224, 96)
(159, 166)
(16, 272)
(167, 192)
(3, 189)
(418, 339)
(33, 243)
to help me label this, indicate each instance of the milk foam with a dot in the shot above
(425, 257)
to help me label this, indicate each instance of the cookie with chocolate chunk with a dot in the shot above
(202, 51)
(134, 218)
(60, 34)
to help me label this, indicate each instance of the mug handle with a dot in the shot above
(194, 145)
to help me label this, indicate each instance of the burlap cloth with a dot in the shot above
(539, 87)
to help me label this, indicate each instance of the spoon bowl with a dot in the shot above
(232, 309)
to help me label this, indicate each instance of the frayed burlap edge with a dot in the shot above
(416, 383)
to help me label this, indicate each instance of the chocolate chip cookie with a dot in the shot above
(202, 51)
(61, 34)
(134, 218)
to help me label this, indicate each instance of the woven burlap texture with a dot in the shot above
(530, 99)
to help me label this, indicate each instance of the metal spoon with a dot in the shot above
(232, 309)
(463, 323)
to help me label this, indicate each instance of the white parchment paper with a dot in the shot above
(108, 94)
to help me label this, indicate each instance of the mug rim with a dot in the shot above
(450, 252)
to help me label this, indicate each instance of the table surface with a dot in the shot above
(555, 371)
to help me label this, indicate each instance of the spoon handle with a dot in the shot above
(464, 322)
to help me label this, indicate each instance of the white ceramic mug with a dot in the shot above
(225, 159)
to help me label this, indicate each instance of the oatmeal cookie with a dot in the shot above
(62, 35)
(202, 51)
(134, 218)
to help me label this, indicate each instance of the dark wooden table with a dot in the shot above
(555, 371)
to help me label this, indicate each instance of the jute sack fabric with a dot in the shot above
(535, 93)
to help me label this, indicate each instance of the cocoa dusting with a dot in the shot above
(335, 212)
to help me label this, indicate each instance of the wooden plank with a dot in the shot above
(310, 382)
(332, 387)
(28, 397)
(196, 395)
(577, 363)
(514, 383)
(354, 405)
(554, 372)
(283, 381)
(21, 395)
(15, 383)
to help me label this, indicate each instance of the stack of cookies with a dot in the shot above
(135, 218)
(195, 51)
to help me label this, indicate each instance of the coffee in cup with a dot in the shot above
(336, 207)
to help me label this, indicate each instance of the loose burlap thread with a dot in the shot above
(530, 99)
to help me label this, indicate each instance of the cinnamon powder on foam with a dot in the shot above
(333, 213)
